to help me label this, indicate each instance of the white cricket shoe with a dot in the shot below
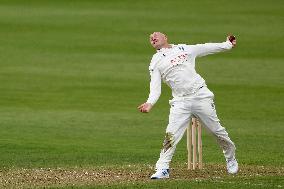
(161, 174)
(232, 166)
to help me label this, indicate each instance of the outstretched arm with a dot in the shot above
(155, 91)
(200, 50)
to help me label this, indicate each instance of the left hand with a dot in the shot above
(145, 107)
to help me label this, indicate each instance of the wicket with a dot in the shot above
(191, 145)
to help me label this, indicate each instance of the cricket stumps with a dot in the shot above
(194, 158)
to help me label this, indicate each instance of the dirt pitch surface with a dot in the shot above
(45, 177)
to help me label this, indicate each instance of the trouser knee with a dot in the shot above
(168, 141)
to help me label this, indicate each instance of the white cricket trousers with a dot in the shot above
(201, 106)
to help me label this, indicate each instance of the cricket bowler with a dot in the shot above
(175, 65)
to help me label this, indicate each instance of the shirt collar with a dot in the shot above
(166, 49)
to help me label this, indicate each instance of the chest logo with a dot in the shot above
(179, 59)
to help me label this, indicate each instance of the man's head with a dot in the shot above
(159, 40)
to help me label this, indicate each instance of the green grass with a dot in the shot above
(251, 183)
(73, 72)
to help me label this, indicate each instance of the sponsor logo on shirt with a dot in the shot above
(179, 59)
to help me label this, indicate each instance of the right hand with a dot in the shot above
(145, 107)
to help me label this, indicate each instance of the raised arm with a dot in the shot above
(200, 50)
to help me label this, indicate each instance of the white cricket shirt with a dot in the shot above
(176, 67)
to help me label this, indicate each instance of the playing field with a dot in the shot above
(72, 74)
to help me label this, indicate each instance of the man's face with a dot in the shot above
(158, 40)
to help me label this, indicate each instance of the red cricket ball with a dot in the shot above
(232, 38)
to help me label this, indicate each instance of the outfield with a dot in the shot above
(72, 74)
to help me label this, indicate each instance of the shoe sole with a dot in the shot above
(155, 178)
